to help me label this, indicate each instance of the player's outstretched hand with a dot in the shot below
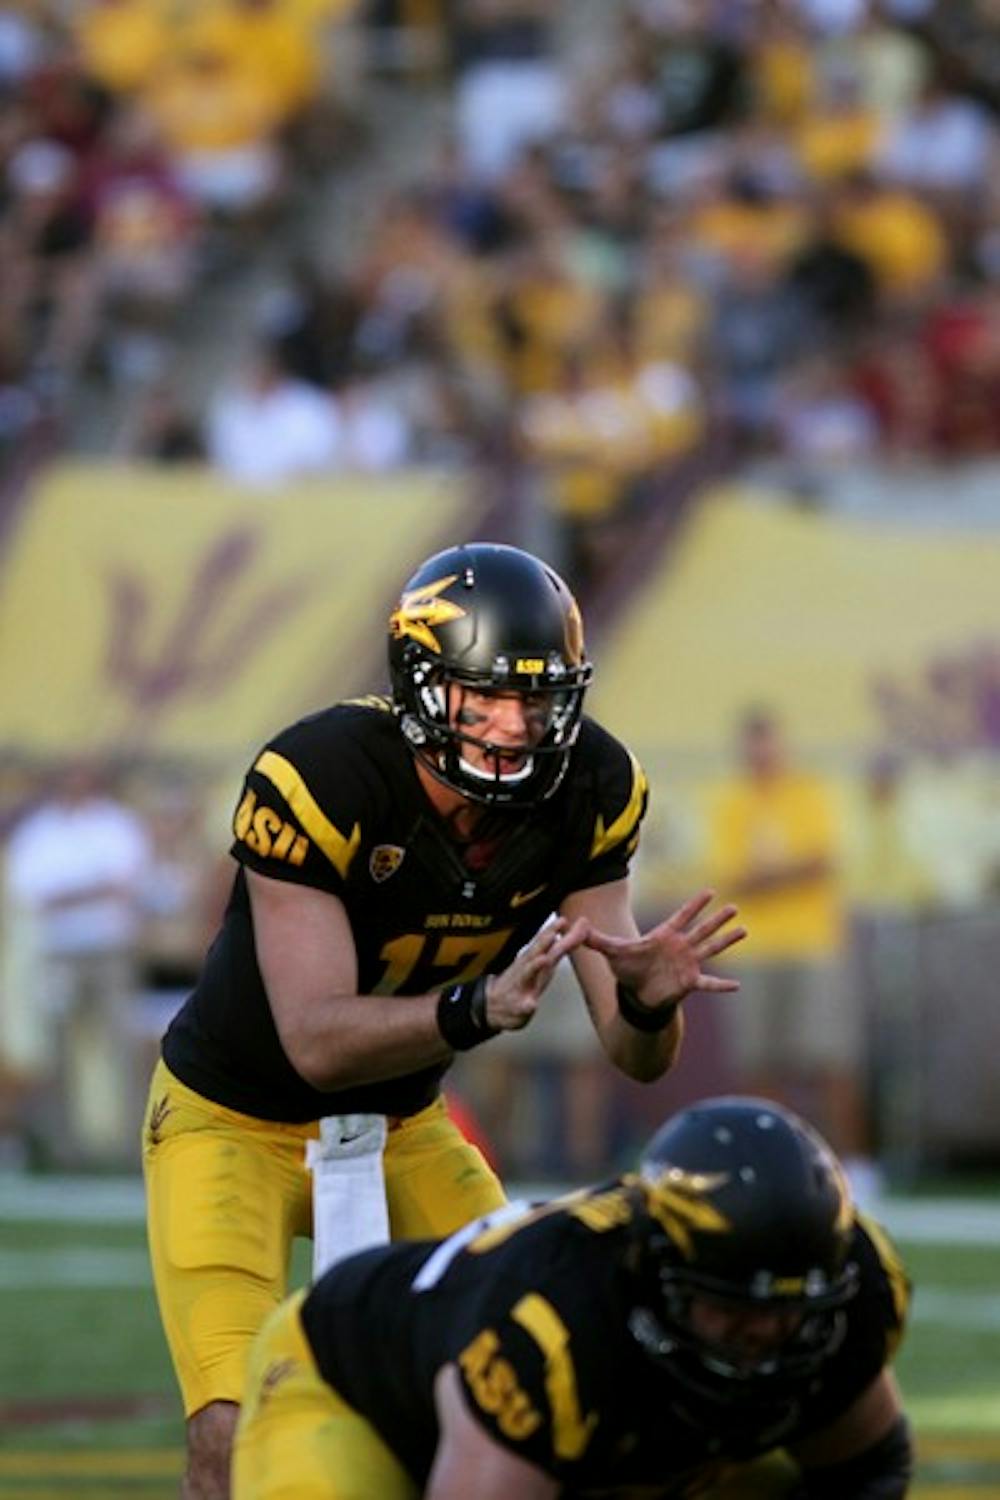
(666, 963)
(512, 996)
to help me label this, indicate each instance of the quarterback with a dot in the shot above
(410, 871)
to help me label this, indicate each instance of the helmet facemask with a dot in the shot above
(742, 1255)
(481, 769)
(808, 1327)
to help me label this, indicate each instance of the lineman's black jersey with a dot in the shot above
(334, 802)
(533, 1306)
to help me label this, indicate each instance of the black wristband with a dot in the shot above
(648, 1018)
(461, 1015)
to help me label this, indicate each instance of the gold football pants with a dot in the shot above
(227, 1193)
(297, 1439)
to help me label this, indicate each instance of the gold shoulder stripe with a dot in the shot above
(899, 1282)
(571, 1430)
(627, 820)
(283, 775)
(370, 700)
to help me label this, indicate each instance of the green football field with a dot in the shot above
(87, 1405)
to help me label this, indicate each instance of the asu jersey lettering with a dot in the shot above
(492, 1381)
(534, 1311)
(263, 830)
(334, 803)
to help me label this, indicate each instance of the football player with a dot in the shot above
(652, 1337)
(411, 869)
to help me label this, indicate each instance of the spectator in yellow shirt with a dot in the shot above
(899, 236)
(267, 38)
(121, 42)
(219, 120)
(841, 135)
(796, 1031)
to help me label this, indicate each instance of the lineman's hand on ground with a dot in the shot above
(666, 962)
(512, 996)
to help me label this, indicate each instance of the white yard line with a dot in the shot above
(90, 1266)
(71, 1200)
(956, 1309)
(26, 1270)
(956, 1221)
(119, 1200)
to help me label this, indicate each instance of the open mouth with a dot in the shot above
(494, 764)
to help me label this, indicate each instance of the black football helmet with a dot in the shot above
(749, 1208)
(491, 618)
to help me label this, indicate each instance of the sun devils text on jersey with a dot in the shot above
(334, 803)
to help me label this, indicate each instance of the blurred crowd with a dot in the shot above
(774, 225)
(770, 225)
(144, 146)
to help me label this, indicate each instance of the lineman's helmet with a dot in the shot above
(748, 1208)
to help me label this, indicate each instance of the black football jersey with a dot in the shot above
(334, 802)
(533, 1306)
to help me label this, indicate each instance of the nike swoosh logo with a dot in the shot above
(520, 897)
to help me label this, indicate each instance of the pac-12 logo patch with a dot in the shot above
(385, 861)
